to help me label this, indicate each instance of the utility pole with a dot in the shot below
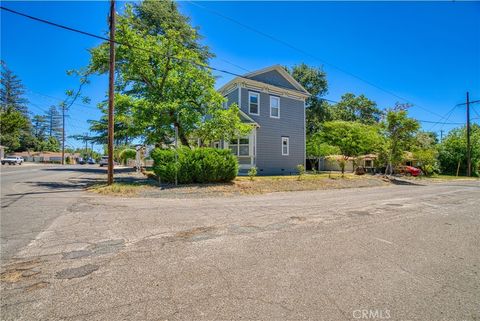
(469, 160)
(85, 137)
(441, 135)
(63, 132)
(111, 80)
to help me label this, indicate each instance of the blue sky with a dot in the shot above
(426, 52)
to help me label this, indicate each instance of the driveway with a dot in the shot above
(405, 252)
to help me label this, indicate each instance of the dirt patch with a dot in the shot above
(18, 271)
(36, 286)
(78, 272)
(196, 234)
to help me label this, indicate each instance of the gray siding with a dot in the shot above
(273, 77)
(232, 97)
(291, 124)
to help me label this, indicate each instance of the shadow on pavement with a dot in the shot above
(95, 170)
(397, 181)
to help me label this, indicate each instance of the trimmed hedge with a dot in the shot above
(199, 165)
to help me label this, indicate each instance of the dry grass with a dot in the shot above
(126, 189)
(239, 186)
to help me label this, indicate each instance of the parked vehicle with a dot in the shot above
(91, 161)
(408, 171)
(81, 161)
(12, 160)
(103, 161)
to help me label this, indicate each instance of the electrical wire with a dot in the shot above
(293, 47)
(213, 68)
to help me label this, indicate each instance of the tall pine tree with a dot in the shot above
(14, 120)
(12, 91)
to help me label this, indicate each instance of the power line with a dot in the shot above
(204, 65)
(118, 42)
(287, 44)
(446, 117)
(436, 122)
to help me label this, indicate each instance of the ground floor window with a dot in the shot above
(240, 146)
(285, 146)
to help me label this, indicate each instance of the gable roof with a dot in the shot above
(281, 70)
(255, 80)
(247, 119)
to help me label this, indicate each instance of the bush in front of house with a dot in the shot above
(199, 165)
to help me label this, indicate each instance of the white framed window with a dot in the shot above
(253, 103)
(285, 146)
(240, 146)
(274, 107)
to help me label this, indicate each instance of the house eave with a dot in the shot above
(261, 86)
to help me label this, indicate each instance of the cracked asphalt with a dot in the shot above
(402, 252)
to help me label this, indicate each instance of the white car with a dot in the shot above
(12, 160)
(103, 161)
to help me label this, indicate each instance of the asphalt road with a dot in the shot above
(406, 252)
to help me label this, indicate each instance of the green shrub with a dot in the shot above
(252, 172)
(301, 171)
(126, 154)
(199, 165)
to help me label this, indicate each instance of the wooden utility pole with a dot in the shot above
(63, 133)
(469, 159)
(111, 80)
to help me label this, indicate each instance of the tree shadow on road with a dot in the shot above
(397, 181)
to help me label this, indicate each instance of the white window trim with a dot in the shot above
(288, 146)
(252, 93)
(278, 99)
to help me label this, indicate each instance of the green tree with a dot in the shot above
(126, 154)
(356, 108)
(317, 149)
(39, 126)
(352, 138)
(12, 91)
(53, 121)
(453, 151)
(314, 80)
(13, 125)
(166, 82)
(224, 125)
(399, 131)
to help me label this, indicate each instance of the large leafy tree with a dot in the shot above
(453, 151)
(163, 73)
(314, 80)
(356, 108)
(13, 126)
(400, 131)
(351, 138)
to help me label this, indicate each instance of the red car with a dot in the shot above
(408, 170)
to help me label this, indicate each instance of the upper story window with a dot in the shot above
(274, 107)
(285, 146)
(253, 103)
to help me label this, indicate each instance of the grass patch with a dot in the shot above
(242, 185)
(126, 189)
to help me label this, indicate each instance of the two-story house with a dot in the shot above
(273, 102)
